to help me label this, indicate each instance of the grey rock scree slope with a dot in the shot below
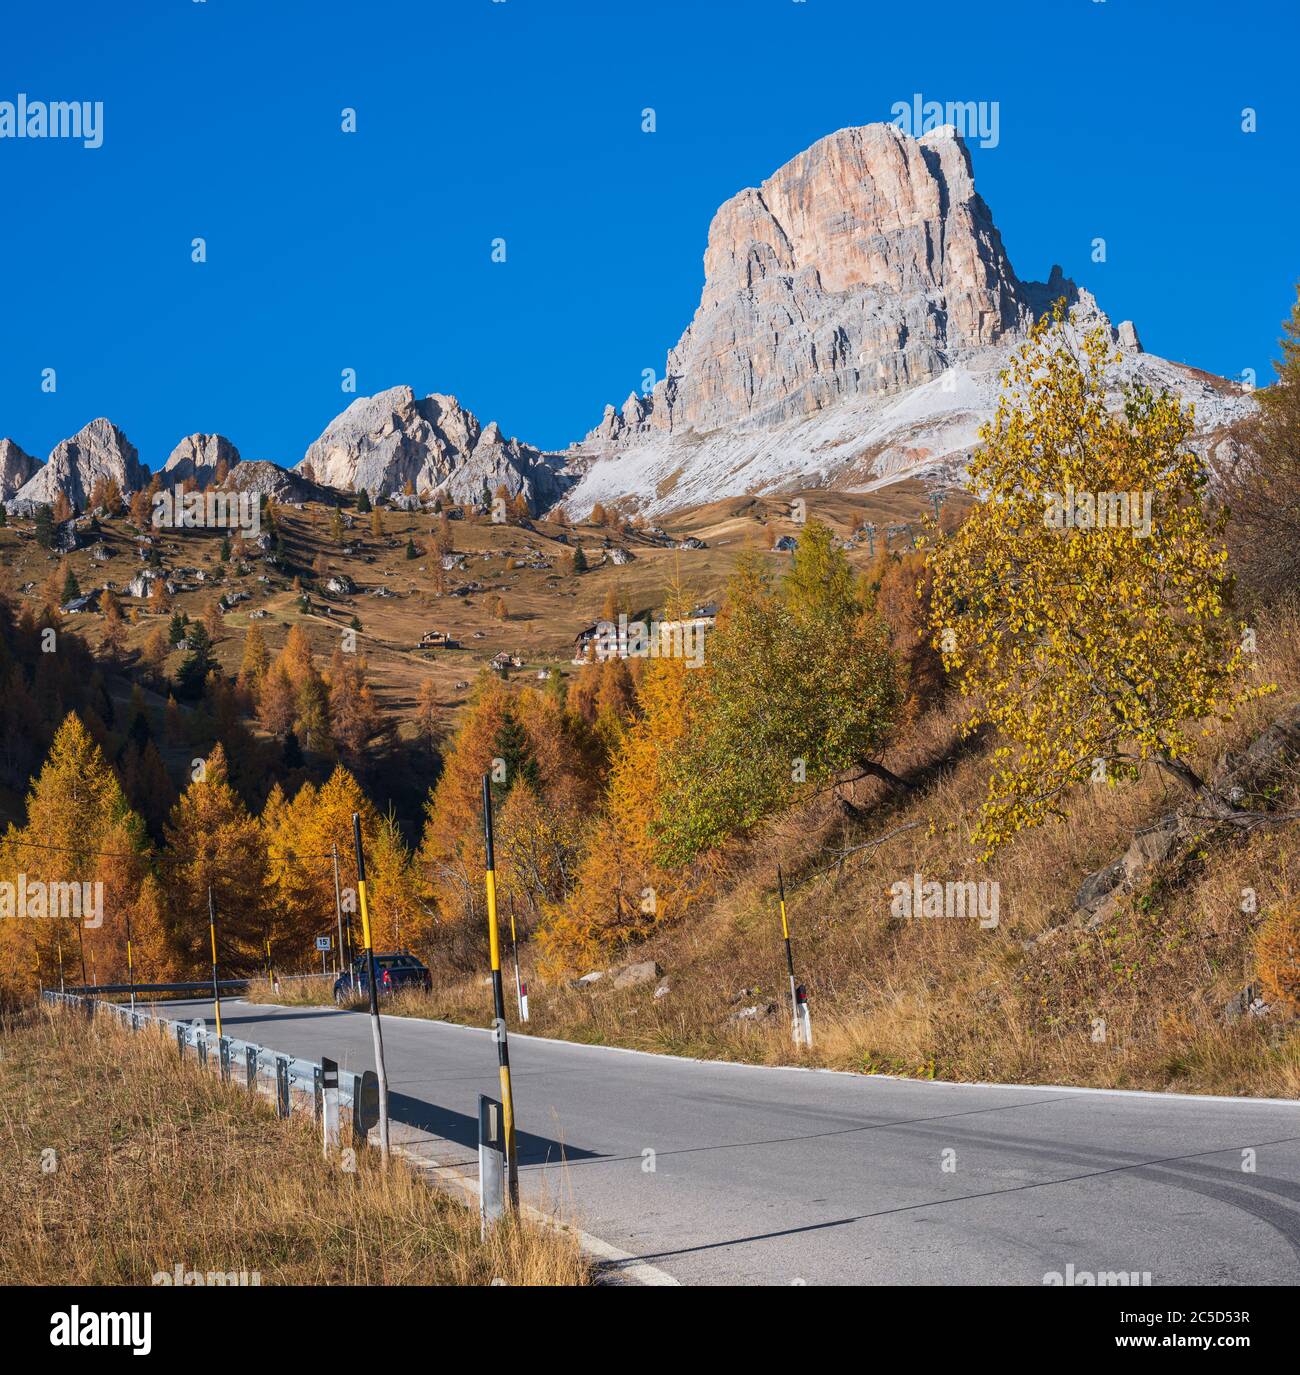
(776, 1176)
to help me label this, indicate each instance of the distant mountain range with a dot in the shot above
(856, 312)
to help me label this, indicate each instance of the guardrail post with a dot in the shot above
(491, 1163)
(282, 1103)
(201, 1044)
(88, 1007)
(223, 1049)
(180, 1038)
(250, 1067)
(329, 1082)
(317, 1090)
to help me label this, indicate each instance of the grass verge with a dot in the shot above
(118, 1162)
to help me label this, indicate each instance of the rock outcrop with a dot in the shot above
(862, 265)
(200, 457)
(99, 450)
(16, 467)
(857, 310)
(382, 442)
(280, 484)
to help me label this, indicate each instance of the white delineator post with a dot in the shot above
(330, 1104)
(521, 988)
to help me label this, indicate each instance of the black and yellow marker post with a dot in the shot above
(212, 936)
(381, 1072)
(499, 1001)
(338, 905)
(130, 961)
(795, 1018)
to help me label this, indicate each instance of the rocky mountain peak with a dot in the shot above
(197, 457)
(384, 441)
(860, 266)
(857, 310)
(98, 450)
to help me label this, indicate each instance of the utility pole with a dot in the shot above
(521, 990)
(338, 904)
(498, 999)
(376, 1030)
(212, 936)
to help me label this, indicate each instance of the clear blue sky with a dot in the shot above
(522, 119)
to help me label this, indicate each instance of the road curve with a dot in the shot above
(716, 1173)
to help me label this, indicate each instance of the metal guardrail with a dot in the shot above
(93, 990)
(247, 1063)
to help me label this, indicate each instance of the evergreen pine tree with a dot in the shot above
(197, 664)
(515, 751)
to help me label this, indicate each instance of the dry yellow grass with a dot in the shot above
(150, 1164)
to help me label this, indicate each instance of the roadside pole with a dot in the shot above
(61, 988)
(798, 1010)
(130, 963)
(338, 907)
(521, 989)
(81, 945)
(376, 1030)
(212, 935)
(499, 1002)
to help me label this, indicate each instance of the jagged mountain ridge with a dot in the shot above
(379, 443)
(857, 310)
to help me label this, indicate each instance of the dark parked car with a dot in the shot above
(392, 971)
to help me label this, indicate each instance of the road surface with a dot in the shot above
(714, 1173)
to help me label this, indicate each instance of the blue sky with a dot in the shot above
(521, 119)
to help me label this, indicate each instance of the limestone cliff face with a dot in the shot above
(98, 450)
(382, 442)
(199, 456)
(858, 308)
(860, 267)
(16, 466)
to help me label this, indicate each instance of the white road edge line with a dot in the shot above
(819, 1069)
(632, 1267)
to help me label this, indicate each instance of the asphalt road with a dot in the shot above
(714, 1173)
